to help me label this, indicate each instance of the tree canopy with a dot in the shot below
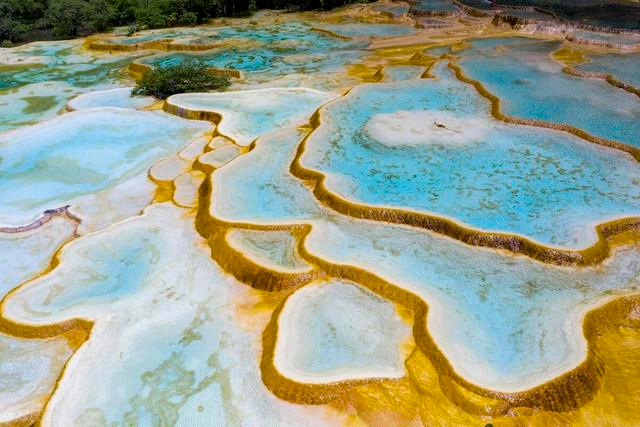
(25, 20)
(182, 78)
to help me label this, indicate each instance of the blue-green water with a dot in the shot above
(624, 67)
(380, 145)
(279, 51)
(504, 322)
(46, 165)
(531, 85)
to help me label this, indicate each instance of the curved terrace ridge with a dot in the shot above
(586, 377)
(515, 243)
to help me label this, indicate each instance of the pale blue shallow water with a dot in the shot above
(546, 185)
(624, 67)
(45, 165)
(248, 114)
(628, 41)
(500, 312)
(403, 72)
(62, 63)
(369, 30)
(434, 6)
(395, 11)
(118, 97)
(62, 72)
(531, 85)
(319, 341)
(116, 270)
(166, 334)
(503, 322)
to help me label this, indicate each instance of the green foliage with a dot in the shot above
(183, 78)
(17, 17)
(78, 17)
(167, 13)
(123, 11)
(25, 19)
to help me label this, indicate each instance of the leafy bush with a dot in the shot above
(189, 77)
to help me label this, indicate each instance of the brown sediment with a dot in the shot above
(235, 262)
(164, 188)
(365, 73)
(159, 44)
(605, 43)
(461, 45)
(23, 421)
(569, 56)
(164, 191)
(379, 75)
(564, 393)
(609, 78)
(209, 167)
(567, 392)
(139, 68)
(294, 391)
(191, 114)
(477, 13)
(570, 59)
(331, 33)
(47, 216)
(192, 47)
(463, 398)
(470, 402)
(374, 69)
(427, 72)
(75, 331)
(420, 58)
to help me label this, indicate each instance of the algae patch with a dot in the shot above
(39, 104)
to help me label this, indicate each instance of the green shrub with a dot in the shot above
(189, 77)
(6, 43)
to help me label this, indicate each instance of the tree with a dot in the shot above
(123, 11)
(16, 17)
(183, 78)
(78, 17)
(71, 18)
